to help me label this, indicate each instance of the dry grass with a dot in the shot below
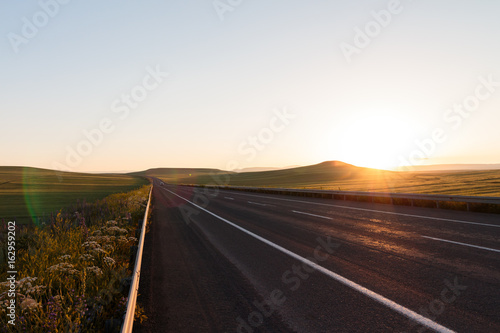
(345, 177)
(72, 269)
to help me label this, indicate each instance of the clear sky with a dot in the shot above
(130, 85)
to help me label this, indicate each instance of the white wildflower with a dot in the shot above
(86, 257)
(63, 267)
(64, 257)
(98, 251)
(91, 245)
(25, 283)
(111, 223)
(109, 261)
(102, 239)
(96, 270)
(122, 240)
(116, 231)
(36, 290)
(27, 279)
(29, 304)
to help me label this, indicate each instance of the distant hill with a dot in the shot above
(298, 176)
(335, 175)
(326, 171)
(179, 175)
(258, 169)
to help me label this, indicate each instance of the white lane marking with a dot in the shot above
(377, 211)
(459, 243)
(353, 285)
(323, 217)
(229, 198)
(260, 204)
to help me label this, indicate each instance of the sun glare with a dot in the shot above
(375, 141)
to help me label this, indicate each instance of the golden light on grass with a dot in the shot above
(70, 270)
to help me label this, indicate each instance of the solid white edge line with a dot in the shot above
(377, 211)
(459, 243)
(323, 217)
(353, 285)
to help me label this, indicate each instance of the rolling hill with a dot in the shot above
(27, 192)
(304, 176)
(32, 192)
(328, 172)
(179, 175)
(335, 175)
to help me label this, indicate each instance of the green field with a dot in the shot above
(32, 192)
(341, 176)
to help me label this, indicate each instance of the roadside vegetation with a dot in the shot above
(73, 270)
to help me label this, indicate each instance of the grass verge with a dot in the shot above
(74, 269)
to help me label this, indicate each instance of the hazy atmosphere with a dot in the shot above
(250, 166)
(129, 85)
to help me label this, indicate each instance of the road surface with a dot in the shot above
(231, 261)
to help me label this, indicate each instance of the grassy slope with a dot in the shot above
(181, 175)
(42, 190)
(338, 175)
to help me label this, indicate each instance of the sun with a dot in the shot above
(374, 141)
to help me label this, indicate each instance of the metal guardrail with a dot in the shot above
(380, 197)
(128, 320)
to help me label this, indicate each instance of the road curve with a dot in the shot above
(230, 261)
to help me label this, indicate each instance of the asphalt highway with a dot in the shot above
(231, 261)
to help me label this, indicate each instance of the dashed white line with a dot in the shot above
(229, 198)
(351, 284)
(460, 243)
(376, 211)
(323, 217)
(259, 204)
